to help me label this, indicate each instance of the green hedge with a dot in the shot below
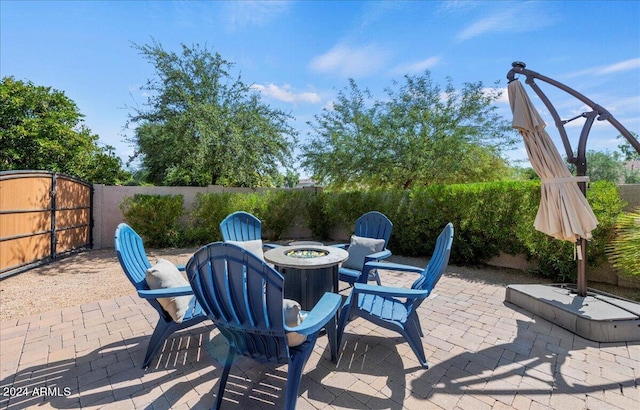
(155, 218)
(489, 218)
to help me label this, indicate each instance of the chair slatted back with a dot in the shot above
(133, 259)
(436, 266)
(241, 226)
(132, 255)
(243, 296)
(374, 225)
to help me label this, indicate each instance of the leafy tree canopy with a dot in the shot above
(418, 135)
(628, 151)
(609, 166)
(202, 126)
(42, 129)
(604, 166)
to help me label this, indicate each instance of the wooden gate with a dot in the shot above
(43, 215)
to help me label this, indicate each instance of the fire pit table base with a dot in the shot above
(308, 285)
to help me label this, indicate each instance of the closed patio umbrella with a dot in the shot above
(564, 212)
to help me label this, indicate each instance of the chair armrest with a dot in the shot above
(181, 268)
(165, 293)
(271, 245)
(383, 254)
(341, 245)
(389, 291)
(318, 317)
(392, 266)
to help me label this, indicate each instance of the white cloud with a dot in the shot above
(516, 17)
(329, 105)
(458, 5)
(242, 13)
(418, 67)
(504, 96)
(285, 94)
(349, 61)
(625, 106)
(626, 65)
(488, 24)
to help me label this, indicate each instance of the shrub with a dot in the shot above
(624, 249)
(319, 220)
(155, 218)
(282, 210)
(489, 218)
(556, 258)
(276, 209)
(205, 217)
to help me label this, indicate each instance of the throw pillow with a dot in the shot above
(359, 248)
(254, 246)
(293, 317)
(164, 275)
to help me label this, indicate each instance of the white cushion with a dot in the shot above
(254, 246)
(292, 317)
(359, 248)
(164, 275)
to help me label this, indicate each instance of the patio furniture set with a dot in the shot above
(271, 302)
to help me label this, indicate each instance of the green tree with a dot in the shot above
(604, 166)
(525, 174)
(629, 153)
(610, 166)
(631, 175)
(42, 129)
(418, 135)
(630, 171)
(202, 126)
(288, 180)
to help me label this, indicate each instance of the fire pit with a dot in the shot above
(306, 253)
(309, 270)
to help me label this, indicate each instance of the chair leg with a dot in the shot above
(343, 318)
(376, 276)
(223, 378)
(294, 375)
(162, 331)
(415, 321)
(332, 335)
(412, 335)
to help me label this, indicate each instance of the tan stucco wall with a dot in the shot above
(107, 200)
(631, 194)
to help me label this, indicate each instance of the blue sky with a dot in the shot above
(300, 53)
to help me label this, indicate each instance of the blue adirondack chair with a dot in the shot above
(244, 298)
(134, 262)
(373, 225)
(242, 226)
(381, 304)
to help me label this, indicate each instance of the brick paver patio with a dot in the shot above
(483, 353)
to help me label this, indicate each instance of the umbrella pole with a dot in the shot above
(581, 284)
(581, 171)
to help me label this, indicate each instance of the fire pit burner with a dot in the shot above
(306, 253)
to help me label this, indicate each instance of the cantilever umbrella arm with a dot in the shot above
(580, 159)
(599, 112)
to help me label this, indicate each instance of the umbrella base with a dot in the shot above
(598, 316)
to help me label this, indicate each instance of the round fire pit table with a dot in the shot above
(309, 271)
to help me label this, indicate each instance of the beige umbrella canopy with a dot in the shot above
(564, 212)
